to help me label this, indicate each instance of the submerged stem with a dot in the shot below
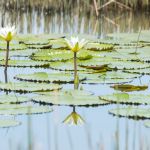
(7, 55)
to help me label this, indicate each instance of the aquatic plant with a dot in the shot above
(74, 44)
(7, 33)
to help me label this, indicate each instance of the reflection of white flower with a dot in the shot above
(75, 44)
(74, 119)
(7, 33)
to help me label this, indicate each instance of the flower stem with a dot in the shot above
(7, 55)
(76, 80)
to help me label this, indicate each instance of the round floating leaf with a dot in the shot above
(114, 63)
(144, 36)
(13, 99)
(24, 63)
(58, 44)
(129, 88)
(64, 66)
(99, 47)
(147, 124)
(106, 81)
(52, 55)
(17, 53)
(18, 109)
(24, 87)
(13, 46)
(125, 98)
(145, 71)
(109, 78)
(59, 55)
(9, 123)
(70, 98)
(53, 77)
(64, 92)
(135, 113)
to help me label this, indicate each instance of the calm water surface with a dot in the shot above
(101, 130)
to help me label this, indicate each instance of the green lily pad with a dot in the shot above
(64, 92)
(109, 78)
(147, 124)
(59, 44)
(65, 66)
(59, 55)
(145, 71)
(24, 87)
(129, 88)
(124, 98)
(48, 78)
(144, 36)
(13, 99)
(17, 53)
(114, 63)
(9, 123)
(70, 99)
(12, 46)
(24, 63)
(135, 113)
(17, 109)
(99, 47)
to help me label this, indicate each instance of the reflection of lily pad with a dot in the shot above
(12, 109)
(129, 88)
(135, 113)
(44, 77)
(9, 123)
(147, 124)
(24, 87)
(68, 98)
(125, 98)
(24, 63)
(13, 99)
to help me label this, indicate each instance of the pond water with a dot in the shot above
(101, 131)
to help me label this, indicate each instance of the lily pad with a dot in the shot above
(125, 98)
(9, 123)
(13, 99)
(17, 109)
(145, 71)
(24, 63)
(70, 99)
(135, 113)
(48, 78)
(59, 55)
(129, 88)
(99, 47)
(65, 66)
(24, 87)
(13, 46)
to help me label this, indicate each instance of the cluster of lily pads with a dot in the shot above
(116, 61)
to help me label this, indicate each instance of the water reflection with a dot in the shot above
(35, 21)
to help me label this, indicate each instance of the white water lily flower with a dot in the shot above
(7, 33)
(75, 44)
